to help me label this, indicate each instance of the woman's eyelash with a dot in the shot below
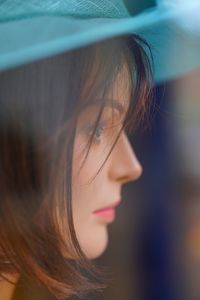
(96, 132)
(101, 131)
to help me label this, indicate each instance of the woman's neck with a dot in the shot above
(6, 288)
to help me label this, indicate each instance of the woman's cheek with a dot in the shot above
(84, 163)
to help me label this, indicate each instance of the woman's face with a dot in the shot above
(92, 194)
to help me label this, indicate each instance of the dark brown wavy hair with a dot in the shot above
(40, 103)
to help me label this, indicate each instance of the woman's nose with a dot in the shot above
(124, 166)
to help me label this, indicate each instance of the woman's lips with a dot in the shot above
(107, 213)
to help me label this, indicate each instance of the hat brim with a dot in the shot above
(175, 51)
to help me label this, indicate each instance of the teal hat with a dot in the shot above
(35, 29)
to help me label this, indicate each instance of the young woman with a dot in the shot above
(64, 156)
(74, 79)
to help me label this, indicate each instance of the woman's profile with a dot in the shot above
(65, 156)
(73, 83)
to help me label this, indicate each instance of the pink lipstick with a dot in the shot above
(107, 213)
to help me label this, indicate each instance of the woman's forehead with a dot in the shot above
(121, 89)
(117, 98)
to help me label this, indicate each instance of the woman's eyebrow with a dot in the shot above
(113, 103)
(117, 105)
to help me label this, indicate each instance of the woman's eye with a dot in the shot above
(96, 132)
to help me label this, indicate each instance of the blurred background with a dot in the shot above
(154, 249)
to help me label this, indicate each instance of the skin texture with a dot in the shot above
(121, 167)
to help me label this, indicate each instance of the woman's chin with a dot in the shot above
(95, 244)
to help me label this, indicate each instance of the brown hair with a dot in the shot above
(39, 107)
